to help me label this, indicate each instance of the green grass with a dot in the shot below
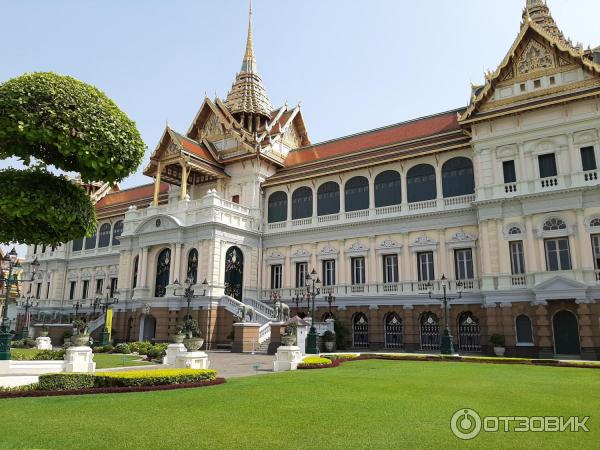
(364, 404)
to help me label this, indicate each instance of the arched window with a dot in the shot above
(302, 203)
(136, 261)
(328, 199)
(595, 223)
(277, 210)
(514, 230)
(104, 235)
(234, 272)
(457, 177)
(77, 245)
(90, 242)
(192, 266)
(554, 224)
(393, 331)
(163, 265)
(420, 183)
(430, 331)
(388, 189)
(524, 330)
(360, 331)
(117, 232)
(356, 194)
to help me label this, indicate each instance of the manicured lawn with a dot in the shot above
(364, 404)
(103, 360)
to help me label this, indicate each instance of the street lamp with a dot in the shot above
(330, 299)
(27, 303)
(77, 305)
(313, 288)
(298, 299)
(7, 264)
(446, 348)
(104, 304)
(188, 294)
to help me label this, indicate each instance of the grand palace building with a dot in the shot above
(498, 202)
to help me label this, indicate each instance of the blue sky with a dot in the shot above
(355, 65)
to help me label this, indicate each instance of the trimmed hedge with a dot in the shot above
(316, 362)
(66, 381)
(40, 355)
(153, 377)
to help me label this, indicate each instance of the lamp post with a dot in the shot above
(8, 263)
(446, 347)
(188, 294)
(77, 305)
(298, 299)
(330, 299)
(313, 288)
(29, 302)
(104, 304)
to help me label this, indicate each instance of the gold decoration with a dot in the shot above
(535, 57)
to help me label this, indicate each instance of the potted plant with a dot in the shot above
(498, 341)
(289, 336)
(81, 337)
(44, 330)
(180, 335)
(328, 339)
(193, 340)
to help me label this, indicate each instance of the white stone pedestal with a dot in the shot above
(192, 360)
(43, 343)
(79, 359)
(172, 351)
(287, 358)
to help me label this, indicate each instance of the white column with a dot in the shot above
(143, 269)
(585, 244)
(172, 265)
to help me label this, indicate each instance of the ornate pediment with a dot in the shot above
(328, 250)
(212, 128)
(534, 57)
(357, 247)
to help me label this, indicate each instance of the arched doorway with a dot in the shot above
(234, 272)
(360, 331)
(129, 330)
(430, 332)
(147, 328)
(566, 333)
(393, 331)
(469, 335)
(163, 265)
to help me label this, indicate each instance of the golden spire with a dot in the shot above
(537, 11)
(247, 95)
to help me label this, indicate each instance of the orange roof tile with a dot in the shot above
(132, 195)
(393, 134)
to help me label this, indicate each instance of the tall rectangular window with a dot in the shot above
(517, 257)
(358, 270)
(510, 174)
(463, 259)
(276, 274)
(48, 289)
(329, 272)
(390, 269)
(547, 165)
(425, 265)
(596, 250)
(113, 286)
(38, 290)
(72, 287)
(99, 285)
(301, 272)
(85, 289)
(557, 254)
(588, 158)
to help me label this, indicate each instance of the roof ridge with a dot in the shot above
(385, 127)
(131, 188)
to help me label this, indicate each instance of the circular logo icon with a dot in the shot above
(465, 424)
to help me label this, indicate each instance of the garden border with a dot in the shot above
(111, 390)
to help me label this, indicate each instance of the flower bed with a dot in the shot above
(316, 362)
(107, 390)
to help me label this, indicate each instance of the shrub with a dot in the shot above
(344, 357)
(140, 347)
(18, 343)
(153, 377)
(26, 387)
(65, 381)
(157, 351)
(314, 362)
(328, 336)
(123, 348)
(39, 355)
(497, 340)
(103, 349)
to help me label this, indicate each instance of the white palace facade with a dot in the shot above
(501, 198)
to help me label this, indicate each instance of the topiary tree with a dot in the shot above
(62, 122)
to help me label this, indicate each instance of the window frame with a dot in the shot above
(390, 269)
(357, 264)
(557, 251)
(466, 262)
(596, 250)
(429, 263)
(517, 266)
(276, 276)
(554, 167)
(524, 343)
(301, 272)
(507, 179)
(328, 272)
(590, 150)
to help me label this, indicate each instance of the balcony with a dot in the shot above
(363, 215)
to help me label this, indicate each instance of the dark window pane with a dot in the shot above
(117, 232)
(547, 165)
(77, 245)
(457, 177)
(328, 199)
(510, 174)
(356, 194)
(524, 332)
(420, 183)
(388, 189)
(588, 158)
(302, 203)
(277, 207)
(104, 235)
(90, 242)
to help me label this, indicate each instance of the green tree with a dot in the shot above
(53, 120)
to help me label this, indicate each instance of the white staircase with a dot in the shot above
(93, 325)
